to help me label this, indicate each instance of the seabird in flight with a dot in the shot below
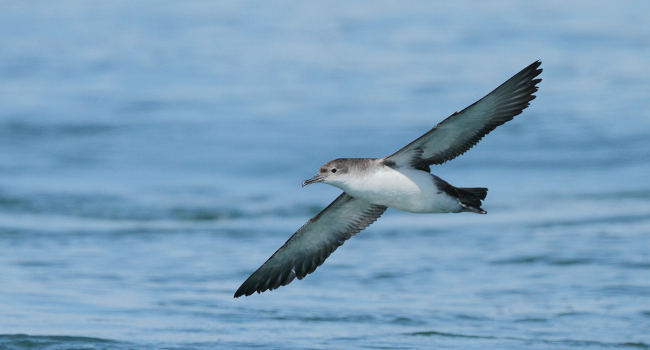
(401, 180)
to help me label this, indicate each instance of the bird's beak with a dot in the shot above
(317, 178)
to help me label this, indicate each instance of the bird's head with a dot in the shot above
(333, 172)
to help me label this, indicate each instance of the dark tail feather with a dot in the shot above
(479, 192)
(471, 198)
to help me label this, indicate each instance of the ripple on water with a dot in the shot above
(553, 342)
(543, 259)
(24, 341)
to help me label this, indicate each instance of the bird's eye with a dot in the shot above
(333, 170)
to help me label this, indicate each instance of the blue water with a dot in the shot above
(151, 156)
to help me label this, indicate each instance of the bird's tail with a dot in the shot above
(470, 198)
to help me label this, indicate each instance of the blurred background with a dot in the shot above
(151, 155)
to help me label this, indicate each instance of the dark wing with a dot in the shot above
(462, 130)
(313, 243)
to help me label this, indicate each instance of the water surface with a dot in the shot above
(151, 156)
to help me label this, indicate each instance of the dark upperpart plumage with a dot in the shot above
(469, 197)
(346, 216)
(462, 130)
(310, 246)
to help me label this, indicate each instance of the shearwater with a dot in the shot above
(401, 180)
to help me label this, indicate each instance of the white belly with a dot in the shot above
(407, 189)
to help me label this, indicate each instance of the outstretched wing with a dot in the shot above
(313, 243)
(462, 130)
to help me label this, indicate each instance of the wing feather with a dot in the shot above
(313, 243)
(462, 130)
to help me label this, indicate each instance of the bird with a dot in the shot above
(402, 180)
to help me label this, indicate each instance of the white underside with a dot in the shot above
(404, 189)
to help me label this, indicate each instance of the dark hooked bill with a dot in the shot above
(317, 178)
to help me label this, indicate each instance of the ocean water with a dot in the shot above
(151, 155)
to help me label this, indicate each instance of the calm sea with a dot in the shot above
(151, 155)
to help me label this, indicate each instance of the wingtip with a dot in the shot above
(536, 66)
(531, 73)
(534, 69)
(243, 290)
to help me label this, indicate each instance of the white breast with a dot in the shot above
(404, 189)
